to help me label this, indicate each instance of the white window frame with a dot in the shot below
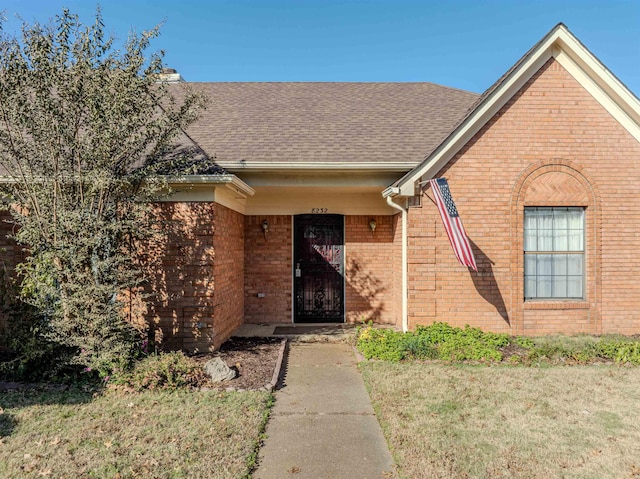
(553, 243)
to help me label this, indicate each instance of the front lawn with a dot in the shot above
(448, 420)
(203, 434)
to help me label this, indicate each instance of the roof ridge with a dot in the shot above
(328, 83)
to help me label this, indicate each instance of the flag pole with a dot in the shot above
(420, 183)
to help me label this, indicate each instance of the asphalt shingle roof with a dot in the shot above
(325, 122)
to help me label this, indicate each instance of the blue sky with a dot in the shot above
(460, 43)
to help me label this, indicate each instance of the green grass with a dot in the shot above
(461, 421)
(151, 434)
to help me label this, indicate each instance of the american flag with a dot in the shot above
(453, 223)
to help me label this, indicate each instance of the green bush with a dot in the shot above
(167, 371)
(581, 348)
(437, 341)
(608, 347)
(30, 354)
(418, 347)
(549, 349)
(437, 332)
(619, 349)
(385, 344)
(466, 347)
(496, 340)
(32, 357)
(448, 343)
(628, 352)
(524, 342)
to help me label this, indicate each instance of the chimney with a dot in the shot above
(169, 75)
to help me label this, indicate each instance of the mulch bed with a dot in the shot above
(254, 360)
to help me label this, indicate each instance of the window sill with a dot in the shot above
(545, 304)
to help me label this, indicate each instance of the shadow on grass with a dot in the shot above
(12, 400)
(7, 424)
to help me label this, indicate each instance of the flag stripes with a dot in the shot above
(452, 223)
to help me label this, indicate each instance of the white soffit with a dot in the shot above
(575, 58)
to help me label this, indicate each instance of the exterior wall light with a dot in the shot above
(265, 228)
(372, 225)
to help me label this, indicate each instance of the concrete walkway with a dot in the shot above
(322, 424)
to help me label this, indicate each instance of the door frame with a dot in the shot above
(293, 267)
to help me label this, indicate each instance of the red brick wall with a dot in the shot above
(371, 266)
(421, 266)
(228, 272)
(552, 144)
(181, 310)
(197, 276)
(268, 269)
(369, 269)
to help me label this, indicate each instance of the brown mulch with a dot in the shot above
(254, 360)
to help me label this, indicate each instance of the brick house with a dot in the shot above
(324, 213)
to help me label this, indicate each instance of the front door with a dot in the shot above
(318, 269)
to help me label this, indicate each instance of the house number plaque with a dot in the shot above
(319, 210)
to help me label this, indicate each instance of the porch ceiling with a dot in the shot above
(342, 180)
(331, 199)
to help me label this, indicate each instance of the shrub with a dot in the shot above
(437, 332)
(524, 342)
(448, 343)
(167, 371)
(468, 347)
(495, 340)
(31, 355)
(385, 344)
(619, 349)
(608, 347)
(628, 352)
(456, 344)
(437, 341)
(80, 191)
(547, 349)
(418, 347)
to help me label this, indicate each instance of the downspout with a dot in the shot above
(405, 316)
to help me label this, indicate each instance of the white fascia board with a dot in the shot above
(598, 80)
(230, 181)
(480, 116)
(596, 70)
(581, 63)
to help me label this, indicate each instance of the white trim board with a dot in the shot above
(560, 44)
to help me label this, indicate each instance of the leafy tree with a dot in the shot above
(86, 134)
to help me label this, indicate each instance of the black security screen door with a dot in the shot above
(318, 269)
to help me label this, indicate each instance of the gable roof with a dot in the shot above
(560, 44)
(264, 126)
